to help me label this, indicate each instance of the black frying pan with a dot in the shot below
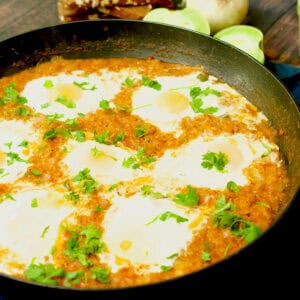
(269, 259)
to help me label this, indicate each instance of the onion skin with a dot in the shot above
(221, 13)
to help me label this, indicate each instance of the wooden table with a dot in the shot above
(276, 18)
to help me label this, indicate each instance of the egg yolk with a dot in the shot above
(172, 102)
(67, 90)
(125, 245)
(2, 158)
(230, 149)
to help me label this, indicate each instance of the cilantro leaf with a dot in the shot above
(128, 82)
(212, 159)
(79, 136)
(13, 157)
(48, 84)
(189, 199)
(84, 86)
(165, 268)
(232, 186)
(166, 216)
(101, 275)
(83, 243)
(104, 104)
(102, 138)
(86, 182)
(140, 131)
(44, 273)
(66, 102)
(205, 256)
(154, 84)
(140, 158)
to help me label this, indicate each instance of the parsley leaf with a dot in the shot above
(72, 278)
(119, 137)
(34, 203)
(22, 111)
(168, 215)
(44, 273)
(147, 191)
(72, 196)
(213, 159)
(24, 144)
(268, 152)
(189, 199)
(151, 83)
(45, 230)
(102, 138)
(36, 172)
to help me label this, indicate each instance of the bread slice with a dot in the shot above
(72, 10)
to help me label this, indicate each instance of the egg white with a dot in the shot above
(105, 168)
(133, 237)
(13, 133)
(96, 88)
(22, 226)
(182, 166)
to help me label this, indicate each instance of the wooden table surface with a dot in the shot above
(276, 18)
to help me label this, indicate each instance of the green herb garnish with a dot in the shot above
(151, 83)
(232, 186)
(168, 215)
(212, 159)
(66, 102)
(191, 198)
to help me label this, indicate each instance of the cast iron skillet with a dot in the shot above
(268, 257)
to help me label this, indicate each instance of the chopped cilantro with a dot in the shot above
(48, 84)
(50, 134)
(141, 131)
(53, 117)
(72, 196)
(22, 111)
(36, 172)
(104, 104)
(123, 108)
(205, 256)
(101, 275)
(232, 186)
(112, 187)
(119, 137)
(268, 152)
(34, 203)
(66, 102)
(13, 157)
(23, 144)
(6, 197)
(80, 114)
(3, 173)
(128, 82)
(147, 191)
(263, 204)
(8, 145)
(45, 105)
(79, 136)
(72, 278)
(224, 218)
(213, 159)
(84, 242)
(72, 122)
(44, 273)
(54, 132)
(165, 268)
(44, 232)
(102, 138)
(84, 86)
(151, 83)
(98, 209)
(172, 256)
(189, 199)
(166, 216)
(86, 182)
(134, 162)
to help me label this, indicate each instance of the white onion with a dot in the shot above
(221, 13)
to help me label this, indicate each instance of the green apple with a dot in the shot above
(187, 18)
(245, 37)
